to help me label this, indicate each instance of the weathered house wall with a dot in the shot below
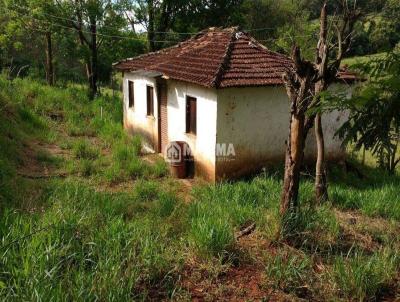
(136, 119)
(255, 120)
(203, 143)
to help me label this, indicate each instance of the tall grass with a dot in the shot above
(218, 211)
(82, 246)
(376, 194)
(364, 277)
(288, 272)
(81, 239)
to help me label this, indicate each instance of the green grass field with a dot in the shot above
(84, 216)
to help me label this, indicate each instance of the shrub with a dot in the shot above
(211, 235)
(82, 150)
(159, 169)
(87, 167)
(115, 174)
(363, 277)
(146, 190)
(166, 204)
(289, 273)
(137, 144)
(136, 168)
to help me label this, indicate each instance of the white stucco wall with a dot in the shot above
(255, 120)
(203, 143)
(136, 119)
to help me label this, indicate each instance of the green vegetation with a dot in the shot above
(96, 219)
(362, 277)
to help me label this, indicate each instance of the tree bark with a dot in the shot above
(49, 60)
(293, 162)
(150, 30)
(298, 83)
(92, 55)
(93, 76)
(321, 62)
(321, 191)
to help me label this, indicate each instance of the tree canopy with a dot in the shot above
(126, 28)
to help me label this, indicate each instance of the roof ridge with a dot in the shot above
(166, 49)
(263, 47)
(225, 59)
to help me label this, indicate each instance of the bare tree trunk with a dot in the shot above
(150, 30)
(293, 162)
(321, 62)
(93, 60)
(49, 60)
(91, 55)
(321, 191)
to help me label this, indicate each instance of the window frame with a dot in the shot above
(131, 94)
(191, 128)
(150, 100)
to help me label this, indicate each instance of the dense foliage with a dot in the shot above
(126, 28)
(374, 110)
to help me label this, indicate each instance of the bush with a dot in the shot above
(87, 167)
(83, 150)
(314, 228)
(136, 168)
(289, 273)
(363, 277)
(211, 235)
(115, 174)
(146, 190)
(166, 204)
(137, 144)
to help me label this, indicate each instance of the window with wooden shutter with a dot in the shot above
(191, 115)
(131, 94)
(150, 101)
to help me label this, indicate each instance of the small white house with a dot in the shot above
(222, 93)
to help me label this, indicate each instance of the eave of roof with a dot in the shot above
(218, 58)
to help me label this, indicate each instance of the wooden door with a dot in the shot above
(162, 116)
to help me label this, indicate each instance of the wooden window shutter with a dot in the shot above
(191, 115)
(150, 101)
(131, 94)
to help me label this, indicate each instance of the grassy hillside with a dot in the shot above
(86, 216)
(354, 61)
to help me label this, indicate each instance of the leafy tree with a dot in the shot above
(30, 18)
(102, 36)
(374, 111)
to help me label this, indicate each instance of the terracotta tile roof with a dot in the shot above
(215, 58)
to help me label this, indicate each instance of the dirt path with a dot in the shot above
(40, 160)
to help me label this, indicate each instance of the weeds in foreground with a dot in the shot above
(83, 150)
(290, 273)
(364, 277)
(63, 240)
(82, 245)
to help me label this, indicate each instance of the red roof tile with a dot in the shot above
(217, 58)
